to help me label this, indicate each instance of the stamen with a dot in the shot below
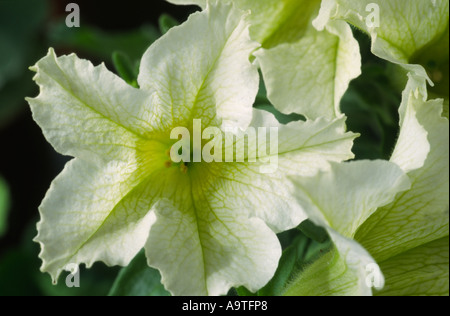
(183, 168)
(168, 164)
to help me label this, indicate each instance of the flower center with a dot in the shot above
(182, 165)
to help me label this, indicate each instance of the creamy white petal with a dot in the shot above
(311, 75)
(204, 248)
(303, 148)
(86, 111)
(201, 3)
(202, 69)
(86, 216)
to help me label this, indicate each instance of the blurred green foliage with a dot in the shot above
(20, 275)
(101, 44)
(4, 206)
(371, 105)
(166, 22)
(20, 24)
(126, 68)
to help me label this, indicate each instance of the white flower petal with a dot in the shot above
(206, 248)
(87, 216)
(304, 148)
(311, 75)
(200, 3)
(198, 235)
(202, 69)
(86, 111)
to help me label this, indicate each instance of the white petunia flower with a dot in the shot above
(205, 226)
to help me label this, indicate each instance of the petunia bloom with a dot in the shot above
(205, 226)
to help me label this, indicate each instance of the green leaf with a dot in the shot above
(314, 280)
(4, 206)
(124, 68)
(138, 279)
(242, 291)
(313, 231)
(16, 275)
(166, 22)
(286, 266)
(294, 259)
